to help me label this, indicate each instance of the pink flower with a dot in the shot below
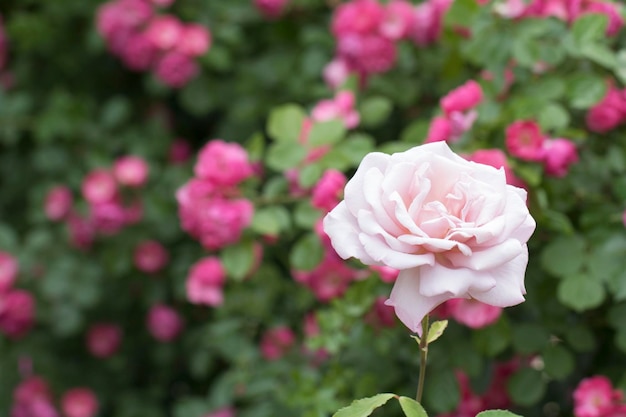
(17, 313)
(8, 271)
(327, 192)
(104, 339)
(428, 21)
(453, 228)
(369, 54)
(381, 315)
(32, 398)
(276, 342)
(175, 69)
(497, 159)
(472, 313)
(595, 397)
(463, 98)
(440, 130)
(336, 72)
(180, 151)
(205, 281)
(608, 113)
(195, 40)
(223, 164)
(108, 218)
(164, 31)
(386, 273)
(79, 402)
(329, 280)
(357, 17)
(81, 231)
(398, 20)
(340, 107)
(510, 9)
(150, 256)
(138, 53)
(164, 323)
(121, 16)
(524, 140)
(271, 9)
(4, 46)
(559, 154)
(58, 203)
(131, 171)
(99, 186)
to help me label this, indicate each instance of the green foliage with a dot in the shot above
(364, 407)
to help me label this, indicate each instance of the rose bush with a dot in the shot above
(166, 166)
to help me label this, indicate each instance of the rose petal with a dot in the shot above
(342, 229)
(409, 304)
(377, 249)
(455, 282)
(488, 258)
(509, 278)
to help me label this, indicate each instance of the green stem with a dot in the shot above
(423, 356)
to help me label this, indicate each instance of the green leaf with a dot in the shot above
(310, 175)
(558, 361)
(375, 110)
(564, 256)
(554, 117)
(270, 220)
(620, 65)
(580, 338)
(285, 122)
(285, 155)
(327, 133)
(585, 90)
(461, 12)
(364, 407)
(411, 407)
(493, 339)
(305, 215)
(238, 259)
(416, 131)
(589, 28)
(436, 330)
(580, 292)
(526, 387)
(355, 147)
(442, 392)
(497, 413)
(600, 54)
(530, 338)
(307, 253)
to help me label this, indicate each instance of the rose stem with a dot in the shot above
(423, 355)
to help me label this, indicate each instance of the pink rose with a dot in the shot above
(138, 53)
(150, 256)
(79, 402)
(271, 9)
(454, 229)
(336, 72)
(99, 186)
(357, 16)
(440, 130)
(559, 154)
(222, 412)
(8, 271)
(104, 339)
(472, 313)
(175, 69)
(164, 32)
(223, 163)
(58, 203)
(462, 98)
(595, 397)
(607, 114)
(399, 19)
(205, 281)
(195, 40)
(327, 191)
(276, 342)
(164, 323)
(131, 171)
(17, 313)
(524, 140)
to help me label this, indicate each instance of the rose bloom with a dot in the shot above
(472, 313)
(79, 402)
(559, 154)
(195, 40)
(176, 69)
(150, 256)
(131, 171)
(223, 163)
(524, 140)
(326, 192)
(99, 186)
(164, 323)
(8, 271)
(222, 412)
(595, 397)
(276, 342)
(104, 339)
(17, 313)
(58, 203)
(454, 229)
(462, 98)
(205, 281)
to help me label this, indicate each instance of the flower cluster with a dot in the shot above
(596, 397)
(459, 113)
(33, 398)
(367, 32)
(609, 113)
(17, 307)
(205, 281)
(147, 41)
(526, 141)
(109, 195)
(209, 205)
(566, 10)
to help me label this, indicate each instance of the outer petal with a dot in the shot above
(409, 304)
(488, 258)
(354, 191)
(454, 282)
(509, 290)
(343, 231)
